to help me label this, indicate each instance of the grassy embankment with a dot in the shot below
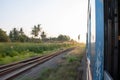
(11, 52)
(67, 70)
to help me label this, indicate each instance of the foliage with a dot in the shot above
(18, 36)
(63, 37)
(71, 58)
(3, 36)
(21, 32)
(67, 69)
(43, 35)
(36, 30)
(23, 38)
(12, 50)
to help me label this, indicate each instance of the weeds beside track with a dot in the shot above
(9, 71)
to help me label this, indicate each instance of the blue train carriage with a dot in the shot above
(103, 40)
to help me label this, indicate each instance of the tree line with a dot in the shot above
(38, 35)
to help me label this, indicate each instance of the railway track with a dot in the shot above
(9, 71)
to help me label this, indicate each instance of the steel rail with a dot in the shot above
(10, 71)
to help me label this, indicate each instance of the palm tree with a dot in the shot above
(39, 29)
(36, 30)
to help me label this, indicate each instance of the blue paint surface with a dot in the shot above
(99, 45)
(95, 50)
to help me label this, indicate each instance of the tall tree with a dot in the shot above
(36, 30)
(39, 28)
(22, 36)
(43, 35)
(21, 32)
(3, 36)
(15, 34)
(18, 36)
(11, 35)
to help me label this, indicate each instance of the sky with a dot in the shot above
(68, 17)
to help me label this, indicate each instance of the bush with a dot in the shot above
(27, 49)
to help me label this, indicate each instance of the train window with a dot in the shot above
(112, 37)
(119, 37)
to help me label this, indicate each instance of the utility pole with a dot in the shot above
(79, 37)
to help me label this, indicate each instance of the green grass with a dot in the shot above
(67, 69)
(11, 52)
